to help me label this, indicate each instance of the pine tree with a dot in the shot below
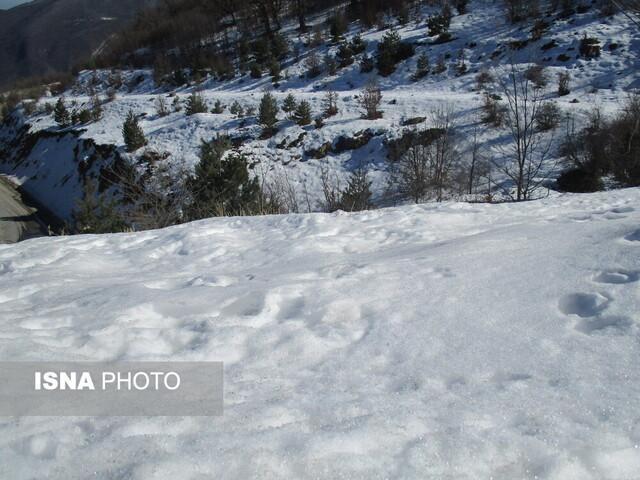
(268, 114)
(96, 108)
(94, 214)
(218, 108)
(302, 115)
(196, 104)
(132, 132)
(357, 195)
(222, 186)
(289, 105)
(61, 114)
(422, 68)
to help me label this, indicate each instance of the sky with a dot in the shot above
(6, 4)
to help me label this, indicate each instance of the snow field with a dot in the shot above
(453, 340)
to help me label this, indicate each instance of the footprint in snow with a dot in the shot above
(617, 277)
(583, 305)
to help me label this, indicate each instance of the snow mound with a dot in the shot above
(434, 341)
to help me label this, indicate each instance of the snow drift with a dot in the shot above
(434, 341)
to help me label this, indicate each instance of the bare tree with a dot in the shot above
(528, 149)
(370, 100)
(442, 150)
(414, 173)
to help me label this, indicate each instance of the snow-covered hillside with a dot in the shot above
(485, 37)
(440, 341)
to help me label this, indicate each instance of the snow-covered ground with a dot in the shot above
(435, 341)
(483, 35)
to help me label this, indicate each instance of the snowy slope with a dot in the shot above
(440, 341)
(484, 36)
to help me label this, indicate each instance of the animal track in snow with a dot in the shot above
(584, 305)
(617, 277)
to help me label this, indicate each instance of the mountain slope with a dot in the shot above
(48, 36)
(450, 341)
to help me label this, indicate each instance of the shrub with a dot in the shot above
(236, 109)
(132, 133)
(483, 79)
(196, 104)
(357, 45)
(547, 117)
(440, 66)
(578, 180)
(330, 104)
(537, 75)
(563, 83)
(366, 64)
(314, 67)
(330, 65)
(161, 106)
(255, 70)
(589, 47)
(493, 112)
(218, 108)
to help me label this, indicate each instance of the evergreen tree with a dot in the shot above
(422, 68)
(302, 115)
(196, 104)
(268, 114)
(357, 195)
(345, 55)
(218, 108)
(61, 114)
(132, 132)
(94, 214)
(96, 108)
(289, 105)
(223, 186)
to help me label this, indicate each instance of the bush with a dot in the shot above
(357, 45)
(345, 55)
(590, 47)
(132, 133)
(547, 117)
(366, 64)
(314, 67)
(578, 180)
(537, 75)
(493, 112)
(563, 83)
(196, 104)
(483, 79)
(218, 108)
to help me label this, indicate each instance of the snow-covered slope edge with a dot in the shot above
(453, 340)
